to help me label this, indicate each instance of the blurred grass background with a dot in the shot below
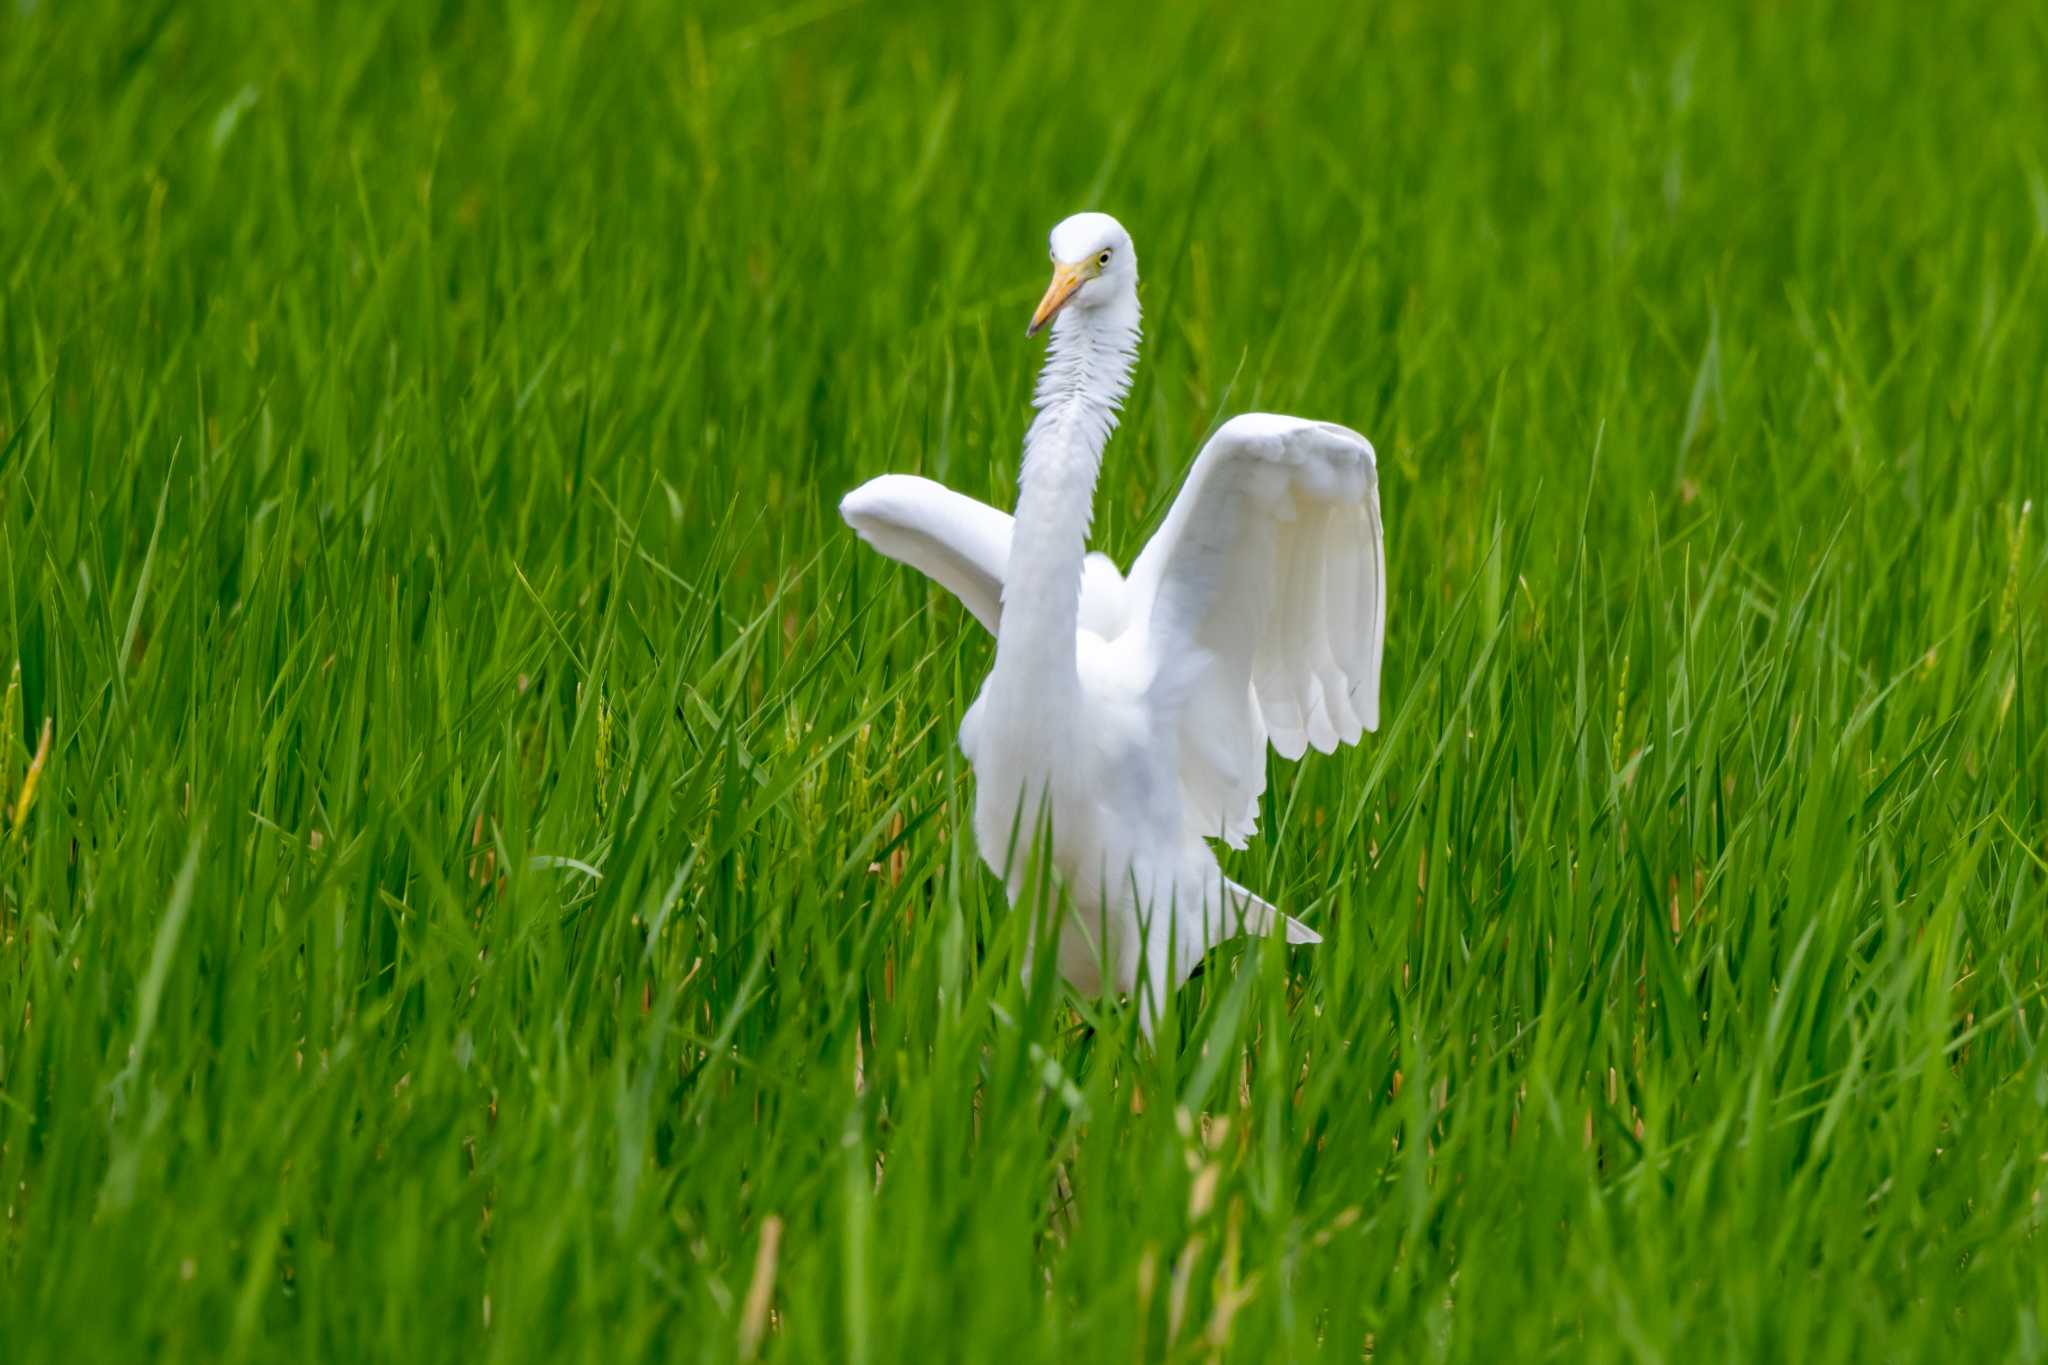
(497, 884)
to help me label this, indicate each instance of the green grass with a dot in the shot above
(420, 426)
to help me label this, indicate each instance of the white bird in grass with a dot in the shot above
(1129, 716)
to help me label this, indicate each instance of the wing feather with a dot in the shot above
(963, 545)
(1268, 577)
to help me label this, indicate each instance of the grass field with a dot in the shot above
(499, 885)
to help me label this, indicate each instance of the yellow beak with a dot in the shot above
(1065, 280)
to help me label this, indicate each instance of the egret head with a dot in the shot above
(1092, 264)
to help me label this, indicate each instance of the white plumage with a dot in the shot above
(1130, 714)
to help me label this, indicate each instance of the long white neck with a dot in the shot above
(1087, 373)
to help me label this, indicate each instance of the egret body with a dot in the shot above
(1127, 717)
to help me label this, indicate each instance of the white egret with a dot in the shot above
(1129, 715)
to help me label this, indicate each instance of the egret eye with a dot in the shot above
(1103, 259)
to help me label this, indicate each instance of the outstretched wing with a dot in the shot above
(959, 543)
(1265, 601)
(964, 546)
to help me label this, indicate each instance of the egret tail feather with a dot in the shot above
(1261, 914)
